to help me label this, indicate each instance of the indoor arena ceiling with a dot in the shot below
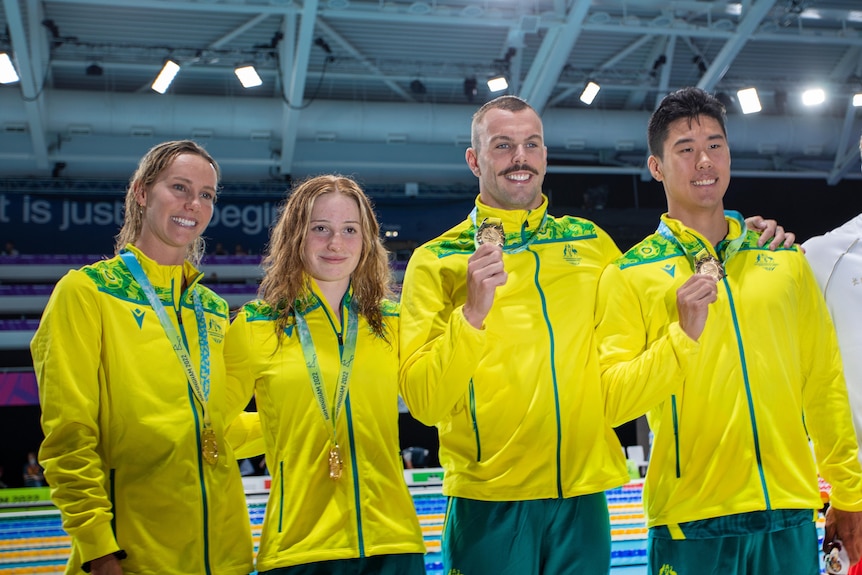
(384, 89)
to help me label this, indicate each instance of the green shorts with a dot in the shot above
(401, 564)
(538, 537)
(781, 541)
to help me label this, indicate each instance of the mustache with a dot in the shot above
(519, 168)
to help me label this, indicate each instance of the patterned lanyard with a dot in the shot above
(200, 387)
(348, 353)
(516, 249)
(694, 248)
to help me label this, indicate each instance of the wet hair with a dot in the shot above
(286, 283)
(690, 103)
(157, 160)
(508, 103)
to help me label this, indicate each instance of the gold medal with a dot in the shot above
(491, 231)
(709, 265)
(209, 445)
(336, 466)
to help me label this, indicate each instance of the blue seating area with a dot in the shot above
(27, 280)
(33, 541)
(26, 283)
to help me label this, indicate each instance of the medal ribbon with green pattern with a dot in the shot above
(200, 387)
(516, 249)
(694, 247)
(348, 353)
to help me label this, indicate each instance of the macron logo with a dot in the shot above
(670, 269)
(138, 314)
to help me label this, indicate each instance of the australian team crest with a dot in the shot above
(571, 255)
(766, 262)
(215, 331)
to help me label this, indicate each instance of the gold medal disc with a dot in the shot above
(336, 466)
(491, 232)
(209, 445)
(709, 265)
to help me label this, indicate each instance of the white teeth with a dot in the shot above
(519, 177)
(184, 222)
(704, 182)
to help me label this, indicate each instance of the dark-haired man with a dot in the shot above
(744, 336)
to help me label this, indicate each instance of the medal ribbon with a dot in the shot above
(694, 248)
(200, 387)
(348, 353)
(516, 249)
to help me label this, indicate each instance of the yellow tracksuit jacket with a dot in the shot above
(122, 427)
(518, 404)
(732, 436)
(309, 517)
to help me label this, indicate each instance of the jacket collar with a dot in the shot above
(693, 243)
(520, 226)
(163, 276)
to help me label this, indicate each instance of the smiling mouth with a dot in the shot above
(186, 223)
(519, 173)
(708, 182)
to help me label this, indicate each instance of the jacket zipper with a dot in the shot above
(356, 498)
(193, 403)
(550, 327)
(744, 365)
(350, 437)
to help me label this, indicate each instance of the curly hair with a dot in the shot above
(151, 166)
(286, 283)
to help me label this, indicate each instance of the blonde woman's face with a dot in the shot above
(178, 207)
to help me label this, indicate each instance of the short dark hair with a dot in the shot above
(688, 103)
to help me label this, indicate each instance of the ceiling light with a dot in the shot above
(813, 97)
(857, 99)
(748, 100)
(498, 83)
(590, 92)
(166, 76)
(248, 76)
(7, 70)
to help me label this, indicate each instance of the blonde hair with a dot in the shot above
(151, 166)
(285, 280)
